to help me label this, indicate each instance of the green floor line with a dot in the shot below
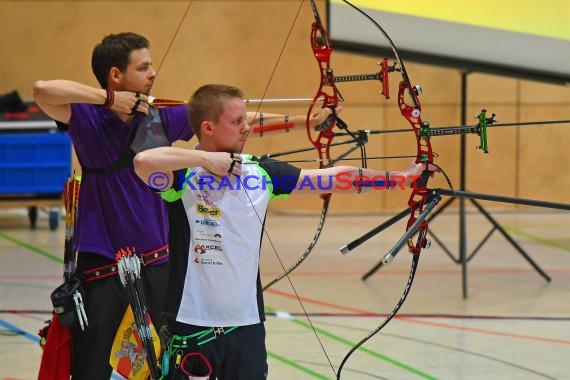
(537, 239)
(295, 365)
(32, 248)
(368, 351)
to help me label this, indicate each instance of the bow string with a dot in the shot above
(411, 110)
(321, 136)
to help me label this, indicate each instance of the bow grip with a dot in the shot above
(423, 180)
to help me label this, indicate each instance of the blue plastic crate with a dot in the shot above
(34, 163)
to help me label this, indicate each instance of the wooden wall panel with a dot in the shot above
(239, 42)
(543, 155)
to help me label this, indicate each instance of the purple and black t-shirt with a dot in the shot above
(117, 210)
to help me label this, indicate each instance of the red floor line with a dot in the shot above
(483, 331)
(398, 273)
(427, 272)
(318, 302)
(31, 277)
(412, 320)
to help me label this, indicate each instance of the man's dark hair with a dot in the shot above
(207, 103)
(115, 51)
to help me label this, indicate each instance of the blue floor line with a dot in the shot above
(19, 331)
(36, 339)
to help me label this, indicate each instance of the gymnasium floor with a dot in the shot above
(513, 325)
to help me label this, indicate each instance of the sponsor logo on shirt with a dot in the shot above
(207, 234)
(205, 261)
(199, 248)
(209, 223)
(203, 248)
(204, 198)
(211, 211)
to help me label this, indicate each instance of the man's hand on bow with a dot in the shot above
(415, 170)
(129, 102)
(319, 117)
(221, 163)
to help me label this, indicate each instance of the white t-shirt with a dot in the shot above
(225, 219)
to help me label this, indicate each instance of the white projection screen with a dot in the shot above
(521, 39)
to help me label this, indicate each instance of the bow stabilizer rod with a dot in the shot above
(479, 129)
(382, 76)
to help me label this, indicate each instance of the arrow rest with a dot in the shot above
(417, 89)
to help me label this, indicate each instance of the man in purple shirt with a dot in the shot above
(108, 126)
(116, 209)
